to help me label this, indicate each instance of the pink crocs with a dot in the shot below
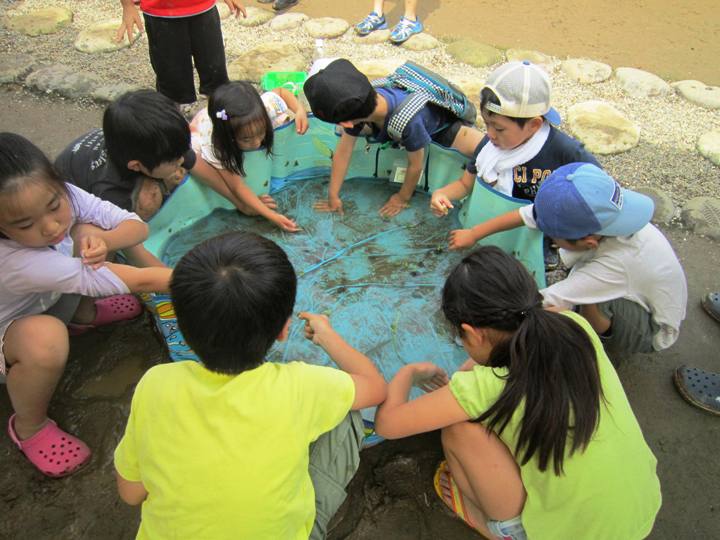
(53, 451)
(121, 307)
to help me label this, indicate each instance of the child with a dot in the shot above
(625, 279)
(227, 448)
(180, 33)
(408, 26)
(539, 437)
(522, 146)
(340, 94)
(237, 120)
(40, 287)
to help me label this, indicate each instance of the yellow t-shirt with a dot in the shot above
(225, 456)
(609, 491)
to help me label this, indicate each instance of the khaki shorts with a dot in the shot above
(632, 328)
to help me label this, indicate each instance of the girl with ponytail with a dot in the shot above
(538, 435)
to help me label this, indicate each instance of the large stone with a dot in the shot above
(602, 128)
(421, 42)
(13, 67)
(110, 92)
(64, 80)
(275, 56)
(709, 146)
(326, 27)
(373, 38)
(376, 69)
(699, 93)
(664, 207)
(470, 85)
(702, 215)
(255, 16)
(474, 53)
(586, 71)
(548, 63)
(40, 21)
(641, 84)
(100, 38)
(287, 21)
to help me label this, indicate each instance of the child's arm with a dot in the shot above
(151, 279)
(236, 8)
(130, 17)
(440, 202)
(94, 243)
(465, 238)
(133, 493)
(340, 163)
(301, 119)
(397, 418)
(370, 386)
(399, 201)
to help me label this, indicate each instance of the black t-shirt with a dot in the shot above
(85, 164)
(559, 149)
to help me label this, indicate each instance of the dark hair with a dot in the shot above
(238, 106)
(22, 162)
(551, 362)
(233, 295)
(488, 96)
(146, 126)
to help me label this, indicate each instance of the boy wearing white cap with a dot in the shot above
(625, 278)
(522, 147)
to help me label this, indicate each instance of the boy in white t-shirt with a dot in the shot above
(625, 278)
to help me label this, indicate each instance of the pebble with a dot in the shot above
(474, 53)
(326, 27)
(100, 38)
(641, 84)
(699, 93)
(586, 71)
(602, 128)
(36, 22)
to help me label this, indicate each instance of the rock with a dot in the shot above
(702, 215)
(40, 21)
(548, 63)
(373, 38)
(13, 67)
(110, 92)
(275, 56)
(376, 69)
(474, 53)
(326, 27)
(709, 146)
(470, 86)
(255, 16)
(421, 42)
(602, 128)
(586, 71)
(664, 206)
(64, 80)
(100, 38)
(286, 21)
(641, 84)
(699, 93)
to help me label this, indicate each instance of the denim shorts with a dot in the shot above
(510, 529)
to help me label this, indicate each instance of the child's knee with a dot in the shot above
(148, 199)
(40, 341)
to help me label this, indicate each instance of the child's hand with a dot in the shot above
(131, 17)
(285, 223)
(236, 8)
(428, 377)
(440, 205)
(395, 204)
(316, 326)
(462, 238)
(331, 204)
(93, 251)
(268, 201)
(301, 120)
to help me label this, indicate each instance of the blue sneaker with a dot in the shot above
(371, 23)
(405, 29)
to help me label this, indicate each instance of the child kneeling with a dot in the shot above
(236, 447)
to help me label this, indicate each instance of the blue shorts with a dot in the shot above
(510, 529)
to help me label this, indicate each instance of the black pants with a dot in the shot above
(175, 42)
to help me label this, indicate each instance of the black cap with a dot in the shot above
(339, 93)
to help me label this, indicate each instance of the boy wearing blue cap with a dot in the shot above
(625, 278)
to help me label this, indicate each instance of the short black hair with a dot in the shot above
(233, 295)
(147, 126)
(488, 96)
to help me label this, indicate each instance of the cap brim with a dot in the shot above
(637, 211)
(553, 117)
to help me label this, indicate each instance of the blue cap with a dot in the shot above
(581, 199)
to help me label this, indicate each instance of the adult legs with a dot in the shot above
(208, 50)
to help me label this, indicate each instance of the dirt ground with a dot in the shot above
(674, 39)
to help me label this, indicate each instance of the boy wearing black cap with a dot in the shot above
(340, 94)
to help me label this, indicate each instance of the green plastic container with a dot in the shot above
(290, 80)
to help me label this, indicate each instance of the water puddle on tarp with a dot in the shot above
(378, 280)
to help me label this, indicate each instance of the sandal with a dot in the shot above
(405, 29)
(121, 307)
(455, 502)
(711, 304)
(371, 23)
(699, 388)
(54, 452)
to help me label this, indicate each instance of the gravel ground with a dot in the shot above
(666, 157)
